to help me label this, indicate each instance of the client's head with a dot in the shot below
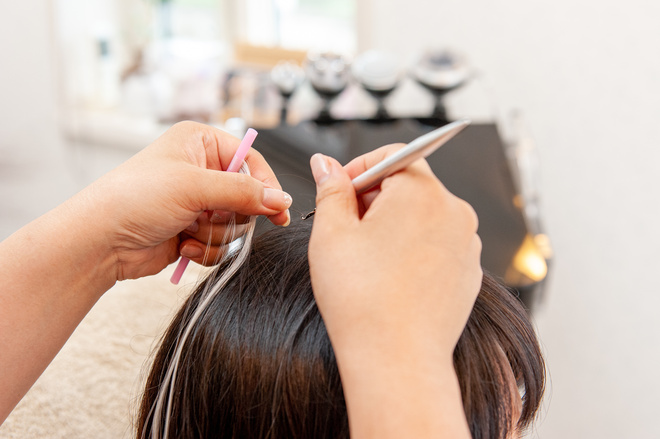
(258, 362)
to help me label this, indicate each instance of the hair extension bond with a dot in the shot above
(161, 410)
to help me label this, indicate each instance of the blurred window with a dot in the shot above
(301, 24)
(191, 19)
(165, 60)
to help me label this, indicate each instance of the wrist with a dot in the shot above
(360, 339)
(387, 394)
(83, 226)
(389, 358)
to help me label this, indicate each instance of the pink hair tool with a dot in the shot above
(234, 166)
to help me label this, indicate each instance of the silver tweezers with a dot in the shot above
(423, 146)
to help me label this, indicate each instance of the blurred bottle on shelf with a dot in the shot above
(287, 77)
(379, 73)
(329, 75)
(440, 71)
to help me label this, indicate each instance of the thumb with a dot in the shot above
(234, 192)
(335, 195)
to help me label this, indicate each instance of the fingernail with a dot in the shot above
(193, 228)
(288, 218)
(288, 200)
(320, 168)
(192, 251)
(220, 216)
(276, 199)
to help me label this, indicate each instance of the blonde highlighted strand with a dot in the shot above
(238, 249)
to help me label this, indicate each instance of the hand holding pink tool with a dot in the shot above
(234, 166)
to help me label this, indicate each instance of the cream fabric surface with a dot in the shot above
(92, 388)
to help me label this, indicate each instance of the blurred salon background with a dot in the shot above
(571, 89)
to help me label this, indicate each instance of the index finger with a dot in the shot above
(361, 163)
(366, 161)
(221, 150)
(260, 170)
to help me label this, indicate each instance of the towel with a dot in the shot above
(92, 388)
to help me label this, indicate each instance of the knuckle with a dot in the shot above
(478, 244)
(261, 169)
(474, 217)
(248, 190)
(328, 192)
(186, 126)
(254, 154)
(272, 181)
(469, 215)
(392, 148)
(193, 132)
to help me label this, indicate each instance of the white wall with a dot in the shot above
(27, 98)
(38, 169)
(31, 149)
(586, 75)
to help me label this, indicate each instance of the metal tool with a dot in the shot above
(421, 147)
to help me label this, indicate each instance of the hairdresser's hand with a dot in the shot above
(414, 253)
(395, 276)
(155, 205)
(125, 225)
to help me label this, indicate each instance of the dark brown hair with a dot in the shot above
(259, 363)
